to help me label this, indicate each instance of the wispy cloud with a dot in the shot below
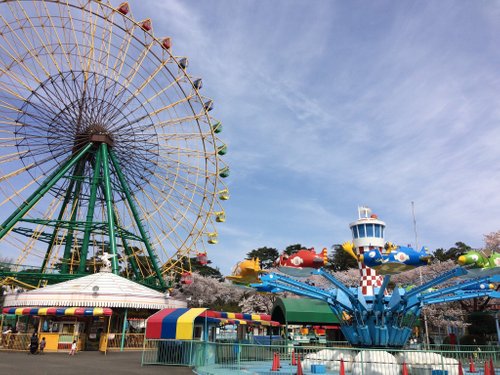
(329, 105)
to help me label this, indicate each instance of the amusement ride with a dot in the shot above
(371, 314)
(107, 146)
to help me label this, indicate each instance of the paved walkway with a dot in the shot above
(94, 363)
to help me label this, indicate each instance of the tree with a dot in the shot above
(213, 294)
(341, 260)
(267, 256)
(205, 270)
(258, 303)
(289, 250)
(452, 253)
(492, 242)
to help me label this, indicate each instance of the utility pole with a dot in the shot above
(426, 327)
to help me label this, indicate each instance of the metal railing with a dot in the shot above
(15, 341)
(132, 341)
(219, 358)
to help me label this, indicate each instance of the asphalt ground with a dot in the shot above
(94, 363)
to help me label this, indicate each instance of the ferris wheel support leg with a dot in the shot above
(109, 208)
(27, 205)
(90, 212)
(129, 253)
(80, 166)
(53, 237)
(137, 218)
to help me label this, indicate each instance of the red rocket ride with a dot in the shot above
(302, 263)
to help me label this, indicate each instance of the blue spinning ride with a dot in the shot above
(371, 315)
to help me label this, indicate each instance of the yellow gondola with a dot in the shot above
(220, 216)
(223, 194)
(212, 238)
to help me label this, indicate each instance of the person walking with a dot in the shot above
(73, 348)
(34, 343)
(42, 345)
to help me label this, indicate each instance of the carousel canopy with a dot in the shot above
(103, 289)
(59, 311)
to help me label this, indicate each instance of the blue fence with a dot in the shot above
(212, 358)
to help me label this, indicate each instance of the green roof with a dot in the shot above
(302, 311)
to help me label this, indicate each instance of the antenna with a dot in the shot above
(415, 226)
(426, 326)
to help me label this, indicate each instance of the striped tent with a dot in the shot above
(59, 311)
(179, 323)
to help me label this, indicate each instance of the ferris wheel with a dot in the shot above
(107, 146)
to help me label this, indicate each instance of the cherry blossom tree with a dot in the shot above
(212, 293)
(492, 241)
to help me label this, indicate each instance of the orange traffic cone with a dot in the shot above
(472, 366)
(275, 366)
(342, 367)
(492, 368)
(460, 369)
(486, 368)
(299, 366)
(405, 369)
(278, 359)
(294, 360)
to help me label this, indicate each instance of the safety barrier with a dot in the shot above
(15, 341)
(21, 341)
(133, 341)
(216, 358)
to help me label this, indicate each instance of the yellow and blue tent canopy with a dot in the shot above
(178, 324)
(59, 311)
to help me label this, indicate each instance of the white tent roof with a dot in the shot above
(103, 289)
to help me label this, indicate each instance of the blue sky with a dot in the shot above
(328, 105)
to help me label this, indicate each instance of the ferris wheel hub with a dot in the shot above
(95, 134)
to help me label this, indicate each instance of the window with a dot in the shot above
(361, 229)
(382, 231)
(369, 230)
(355, 232)
(377, 230)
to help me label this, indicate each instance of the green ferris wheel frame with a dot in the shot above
(100, 154)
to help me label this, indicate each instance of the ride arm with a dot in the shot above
(460, 297)
(379, 298)
(455, 288)
(283, 283)
(334, 281)
(293, 286)
(459, 271)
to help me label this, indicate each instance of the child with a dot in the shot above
(42, 345)
(73, 348)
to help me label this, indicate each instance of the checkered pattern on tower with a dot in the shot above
(369, 278)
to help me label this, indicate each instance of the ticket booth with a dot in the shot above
(60, 326)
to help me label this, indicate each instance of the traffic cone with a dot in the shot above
(486, 368)
(278, 359)
(342, 367)
(275, 363)
(299, 366)
(472, 366)
(492, 368)
(405, 369)
(460, 369)
(294, 359)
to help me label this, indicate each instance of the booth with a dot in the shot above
(187, 336)
(102, 311)
(199, 323)
(60, 326)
